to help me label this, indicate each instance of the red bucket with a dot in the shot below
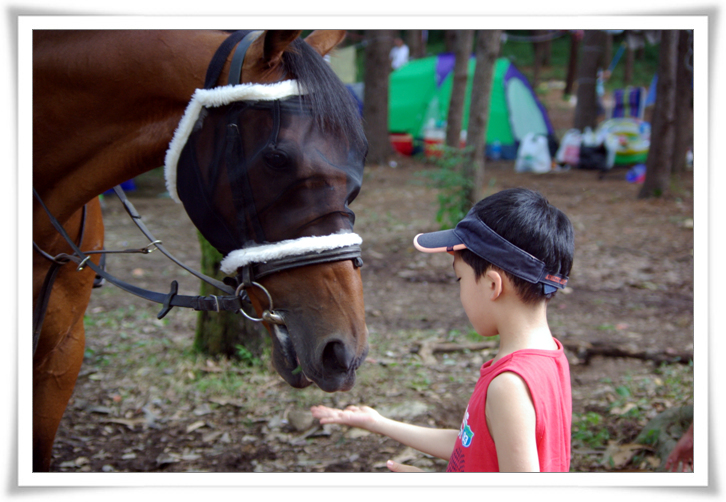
(402, 143)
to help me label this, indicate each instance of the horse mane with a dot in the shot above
(333, 108)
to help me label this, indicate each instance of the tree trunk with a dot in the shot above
(684, 96)
(593, 43)
(375, 101)
(464, 39)
(220, 333)
(538, 56)
(658, 166)
(415, 42)
(607, 56)
(572, 65)
(629, 60)
(450, 41)
(547, 50)
(487, 49)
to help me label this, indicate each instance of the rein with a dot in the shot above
(233, 302)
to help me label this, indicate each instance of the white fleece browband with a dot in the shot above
(212, 98)
(293, 247)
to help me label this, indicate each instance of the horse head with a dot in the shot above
(266, 170)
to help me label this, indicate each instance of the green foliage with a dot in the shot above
(522, 55)
(246, 357)
(588, 429)
(454, 185)
(422, 382)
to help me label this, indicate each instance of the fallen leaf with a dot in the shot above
(623, 410)
(617, 456)
(131, 423)
(212, 436)
(167, 458)
(354, 432)
(196, 425)
(202, 410)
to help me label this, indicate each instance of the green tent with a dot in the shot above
(420, 92)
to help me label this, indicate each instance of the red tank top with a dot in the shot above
(547, 374)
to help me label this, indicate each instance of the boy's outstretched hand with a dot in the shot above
(362, 417)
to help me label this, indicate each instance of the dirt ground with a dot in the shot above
(145, 403)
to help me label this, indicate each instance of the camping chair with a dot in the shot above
(629, 102)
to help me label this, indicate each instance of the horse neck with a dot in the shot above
(106, 104)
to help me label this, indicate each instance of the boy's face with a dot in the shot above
(473, 295)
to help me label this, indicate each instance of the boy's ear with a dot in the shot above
(494, 284)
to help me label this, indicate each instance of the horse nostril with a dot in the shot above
(337, 356)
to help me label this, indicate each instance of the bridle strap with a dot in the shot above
(259, 270)
(235, 67)
(172, 299)
(136, 217)
(220, 58)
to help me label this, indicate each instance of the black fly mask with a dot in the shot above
(266, 171)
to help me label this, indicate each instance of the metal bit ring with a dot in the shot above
(269, 315)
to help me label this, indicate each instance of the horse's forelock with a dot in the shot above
(332, 105)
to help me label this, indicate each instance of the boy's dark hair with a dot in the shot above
(526, 219)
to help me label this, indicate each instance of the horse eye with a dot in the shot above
(276, 159)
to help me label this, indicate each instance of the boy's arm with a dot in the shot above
(436, 442)
(511, 421)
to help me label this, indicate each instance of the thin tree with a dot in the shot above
(450, 41)
(629, 59)
(375, 102)
(487, 49)
(224, 333)
(608, 50)
(464, 40)
(572, 63)
(547, 49)
(593, 44)
(539, 54)
(415, 42)
(684, 101)
(659, 165)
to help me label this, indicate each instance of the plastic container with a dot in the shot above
(433, 142)
(496, 150)
(636, 174)
(402, 143)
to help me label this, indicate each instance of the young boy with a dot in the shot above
(512, 252)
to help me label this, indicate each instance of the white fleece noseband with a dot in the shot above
(212, 98)
(283, 249)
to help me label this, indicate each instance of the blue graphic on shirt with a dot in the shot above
(466, 436)
(465, 433)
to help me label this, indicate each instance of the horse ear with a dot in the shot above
(275, 43)
(323, 41)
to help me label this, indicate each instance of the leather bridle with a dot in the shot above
(235, 288)
(235, 296)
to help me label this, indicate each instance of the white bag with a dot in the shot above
(533, 155)
(569, 150)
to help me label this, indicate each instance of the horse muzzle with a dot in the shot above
(329, 362)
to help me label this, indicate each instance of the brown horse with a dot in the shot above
(106, 105)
